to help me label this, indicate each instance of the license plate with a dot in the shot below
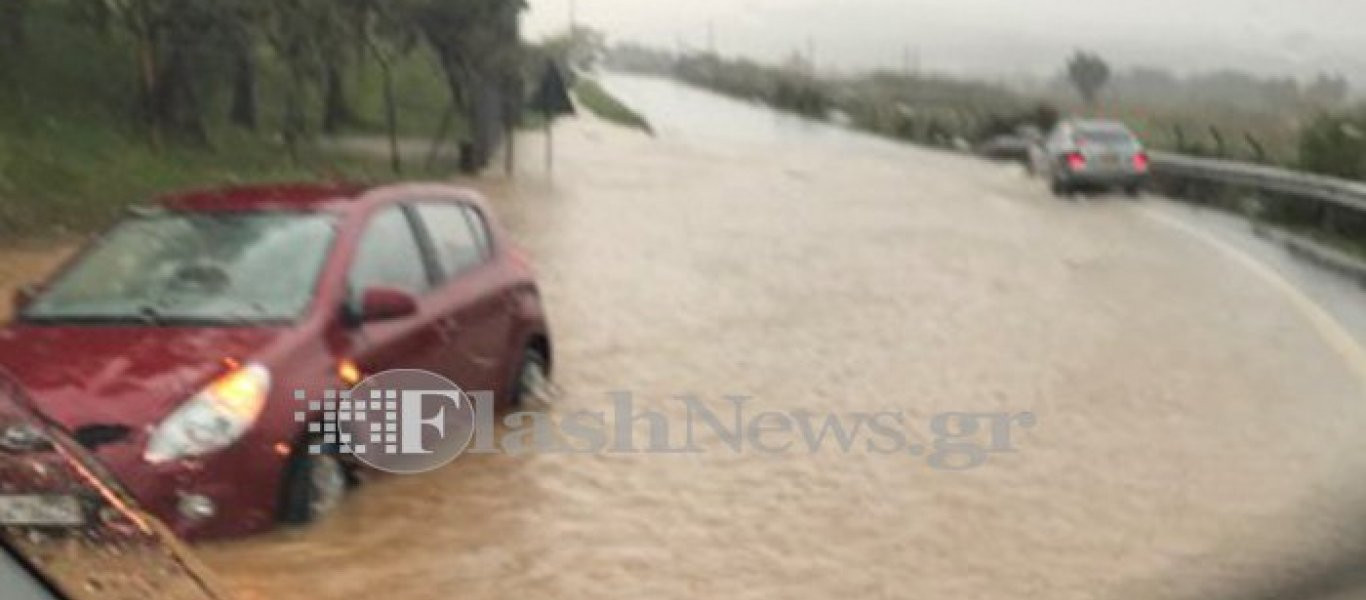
(41, 511)
(1109, 160)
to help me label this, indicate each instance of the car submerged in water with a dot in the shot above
(173, 346)
(1081, 154)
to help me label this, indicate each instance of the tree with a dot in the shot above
(177, 48)
(340, 44)
(1088, 73)
(386, 38)
(291, 27)
(242, 31)
(12, 14)
(478, 45)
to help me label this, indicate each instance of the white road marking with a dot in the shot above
(1329, 328)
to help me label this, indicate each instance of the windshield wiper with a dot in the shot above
(150, 314)
(154, 314)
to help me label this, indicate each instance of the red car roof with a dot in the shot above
(286, 196)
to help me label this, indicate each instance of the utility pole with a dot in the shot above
(711, 37)
(811, 53)
(573, 16)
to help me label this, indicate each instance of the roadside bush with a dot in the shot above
(1335, 145)
(801, 96)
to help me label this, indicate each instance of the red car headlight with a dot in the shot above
(214, 418)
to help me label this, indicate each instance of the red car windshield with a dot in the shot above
(181, 268)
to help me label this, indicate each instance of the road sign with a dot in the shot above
(552, 97)
(552, 100)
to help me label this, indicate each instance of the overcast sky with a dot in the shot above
(996, 37)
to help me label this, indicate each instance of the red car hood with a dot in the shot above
(132, 376)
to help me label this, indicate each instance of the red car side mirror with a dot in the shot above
(384, 304)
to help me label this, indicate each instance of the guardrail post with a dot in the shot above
(1257, 150)
(1218, 141)
(1327, 218)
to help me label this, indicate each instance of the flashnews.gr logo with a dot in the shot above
(403, 421)
(411, 421)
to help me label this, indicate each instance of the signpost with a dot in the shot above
(552, 100)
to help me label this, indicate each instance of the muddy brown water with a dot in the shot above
(1196, 436)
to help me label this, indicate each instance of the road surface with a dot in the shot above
(1199, 400)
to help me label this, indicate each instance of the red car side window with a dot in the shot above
(456, 242)
(389, 255)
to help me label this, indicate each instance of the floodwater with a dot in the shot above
(1196, 425)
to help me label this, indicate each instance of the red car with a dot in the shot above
(172, 346)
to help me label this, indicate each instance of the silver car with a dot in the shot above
(1091, 154)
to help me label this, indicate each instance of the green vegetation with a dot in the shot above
(63, 176)
(792, 89)
(932, 109)
(1335, 145)
(591, 96)
(106, 103)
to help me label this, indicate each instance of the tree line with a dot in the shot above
(185, 54)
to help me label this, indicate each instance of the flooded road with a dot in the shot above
(1198, 427)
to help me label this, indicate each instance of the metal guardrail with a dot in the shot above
(1340, 192)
